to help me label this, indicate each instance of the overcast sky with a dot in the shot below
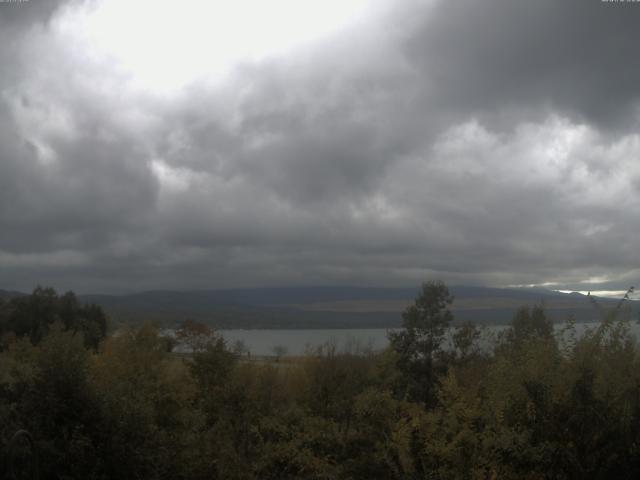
(212, 144)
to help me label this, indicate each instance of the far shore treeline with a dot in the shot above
(540, 403)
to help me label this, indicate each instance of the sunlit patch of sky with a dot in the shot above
(598, 293)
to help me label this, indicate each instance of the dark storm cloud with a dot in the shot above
(479, 142)
(575, 56)
(72, 190)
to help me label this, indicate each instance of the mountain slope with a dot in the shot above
(333, 307)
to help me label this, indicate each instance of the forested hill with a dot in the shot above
(526, 404)
(10, 294)
(334, 307)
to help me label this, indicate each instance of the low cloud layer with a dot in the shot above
(491, 143)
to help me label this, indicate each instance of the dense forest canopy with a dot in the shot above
(537, 405)
(33, 316)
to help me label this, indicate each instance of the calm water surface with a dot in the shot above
(297, 342)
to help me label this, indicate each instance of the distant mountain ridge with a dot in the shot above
(332, 306)
(283, 295)
(10, 294)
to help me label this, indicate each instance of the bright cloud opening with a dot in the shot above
(164, 46)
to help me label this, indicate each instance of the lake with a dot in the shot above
(297, 342)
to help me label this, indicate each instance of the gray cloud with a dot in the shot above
(18, 15)
(479, 142)
(574, 56)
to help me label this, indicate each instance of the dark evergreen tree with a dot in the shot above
(419, 344)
